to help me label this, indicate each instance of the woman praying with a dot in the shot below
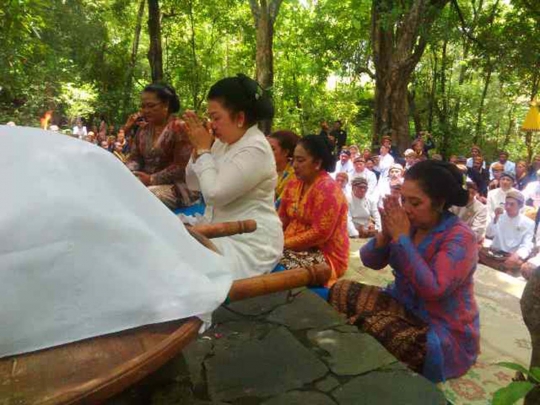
(313, 211)
(236, 173)
(428, 317)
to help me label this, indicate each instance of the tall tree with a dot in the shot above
(155, 53)
(399, 34)
(265, 13)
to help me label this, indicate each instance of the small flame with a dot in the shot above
(44, 121)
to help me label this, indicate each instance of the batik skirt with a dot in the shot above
(375, 312)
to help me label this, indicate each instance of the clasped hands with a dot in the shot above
(199, 135)
(395, 221)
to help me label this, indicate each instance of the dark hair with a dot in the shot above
(242, 94)
(319, 148)
(287, 140)
(441, 181)
(166, 94)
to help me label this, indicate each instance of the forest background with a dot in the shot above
(464, 70)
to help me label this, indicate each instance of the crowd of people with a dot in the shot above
(428, 219)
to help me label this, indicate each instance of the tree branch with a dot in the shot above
(255, 9)
(273, 9)
(464, 28)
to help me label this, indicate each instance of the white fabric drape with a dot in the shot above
(86, 249)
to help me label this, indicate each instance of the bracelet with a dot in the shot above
(203, 151)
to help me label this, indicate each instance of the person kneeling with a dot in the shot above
(428, 318)
(363, 212)
(313, 211)
(512, 235)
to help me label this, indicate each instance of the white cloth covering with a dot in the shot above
(237, 182)
(512, 235)
(86, 249)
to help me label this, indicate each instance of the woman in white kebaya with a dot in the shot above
(236, 173)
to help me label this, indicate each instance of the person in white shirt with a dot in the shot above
(79, 130)
(395, 175)
(503, 160)
(344, 164)
(360, 170)
(410, 158)
(343, 180)
(385, 161)
(355, 152)
(363, 213)
(533, 264)
(512, 235)
(475, 152)
(236, 173)
(474, 213)
(496, 198)
(532, 192)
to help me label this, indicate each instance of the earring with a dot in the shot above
(239, 125)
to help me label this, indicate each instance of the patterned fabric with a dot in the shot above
(292, 259)
(316, 217)
(434, 281)
(166, 157)
(379, 314)
(283, 180)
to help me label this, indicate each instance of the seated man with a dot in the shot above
(474, 213)
(343, 180)
(395, 175)
(360, 170)
(496, 198)
(531, 193)
(497, 170)
(533, 264)
(344, 164)
(512, 235)
(363, 212)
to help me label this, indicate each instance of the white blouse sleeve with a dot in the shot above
(247, 168)
(191, 178)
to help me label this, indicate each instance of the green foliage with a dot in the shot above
(73, 57)
(516, 390)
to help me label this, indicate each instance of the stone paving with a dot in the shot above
(287, 348)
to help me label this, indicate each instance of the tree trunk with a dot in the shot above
(155, 53)
(482, 102)
(265, 13)
(134, 51)
(398, 43)
(414, 112)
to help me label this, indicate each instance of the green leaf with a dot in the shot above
(513, 366)
(535, 373)
(512, 393)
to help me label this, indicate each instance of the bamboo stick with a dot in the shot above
(225, 228)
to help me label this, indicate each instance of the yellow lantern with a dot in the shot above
(532, 120)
